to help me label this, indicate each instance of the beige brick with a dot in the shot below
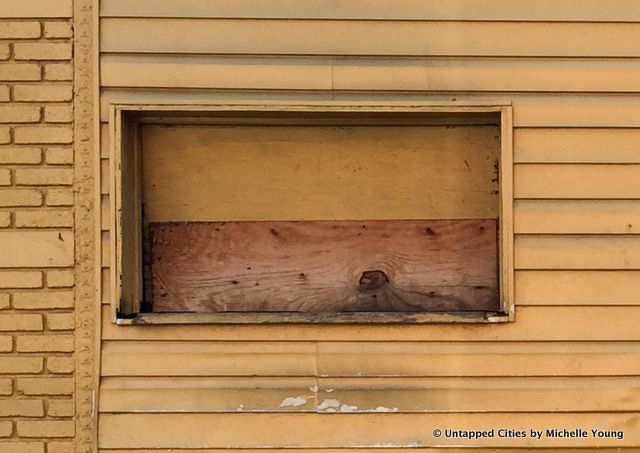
(43, 134)
(41, 300)
(36, 248)
(45, 428)
(43, 218)
(6, 343)
(59, 156)
(58, 71)
(20, 72)
(17, 155)
(4, 51)
(43, 93)
(5, 301)
(59, 197)
(58, 113)
(5, 177)
(44, 176)
(20, 279)
(19, 113)
(60, 365)
(20, 197)
(19, 30)
(6, 386)
(6, 429)
(22, 447)
(60, 279)
(5, 135)
(57, 30)
(45, 385)
(4, 93)
(21, 408)
(60, 321)
(61, 408)
(61, 447)
(42, 51)
(45, 343)
(21, 365)
(20, 322)
(5, 219)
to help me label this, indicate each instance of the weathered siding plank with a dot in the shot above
(475, 10)
(320, 430)
(330, 37)
(170, 395)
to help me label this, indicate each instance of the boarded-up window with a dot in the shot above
(318, 216)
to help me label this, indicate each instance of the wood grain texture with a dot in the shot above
(319, 173)
(372, 266)
(334, 37)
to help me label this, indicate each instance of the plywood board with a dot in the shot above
(316, 267)
(319, 173)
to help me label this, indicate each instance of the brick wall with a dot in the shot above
(36, 230)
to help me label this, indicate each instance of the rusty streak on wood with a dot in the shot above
(407, 266)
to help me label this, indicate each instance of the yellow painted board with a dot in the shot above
(105, 141)
(105, 212)
(577, 181)
(374, 359)
(319, 173)
(588, 324)
(577, 252)
(214, 72)
(387, 450)
(577, 216)
(335, 37)
(11, 9)
(105, 248)
(576, 145)
(349, 430)
(578, 288)
(253, 394)
(477, 10)
(208, 359)
(482, 75)
(322, 73)
(105, 285)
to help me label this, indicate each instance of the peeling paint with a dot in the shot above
(329, 390)
(386, 409)
(329, 404)
(314, 388)
(348, 408)
(293, 401)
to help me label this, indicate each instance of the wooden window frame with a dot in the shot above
(126, 269)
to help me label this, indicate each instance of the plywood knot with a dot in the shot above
(373, 280)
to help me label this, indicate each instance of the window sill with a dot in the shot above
(468, 317)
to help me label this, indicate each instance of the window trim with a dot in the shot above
(123, 133)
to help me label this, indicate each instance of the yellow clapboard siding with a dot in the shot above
(321, 73)
(490, 10)
(576, 146)
(319, 173)
(344, 359)
(331, 37)
(157, 395)
(532, 324)
(105, 212)
(346, 430)
(577, 181)
(105, 286)
(577, 252)
(216, 72)
(386, 450)
(577, 216)
(577, 288)
(105, 141)
(208, 359)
